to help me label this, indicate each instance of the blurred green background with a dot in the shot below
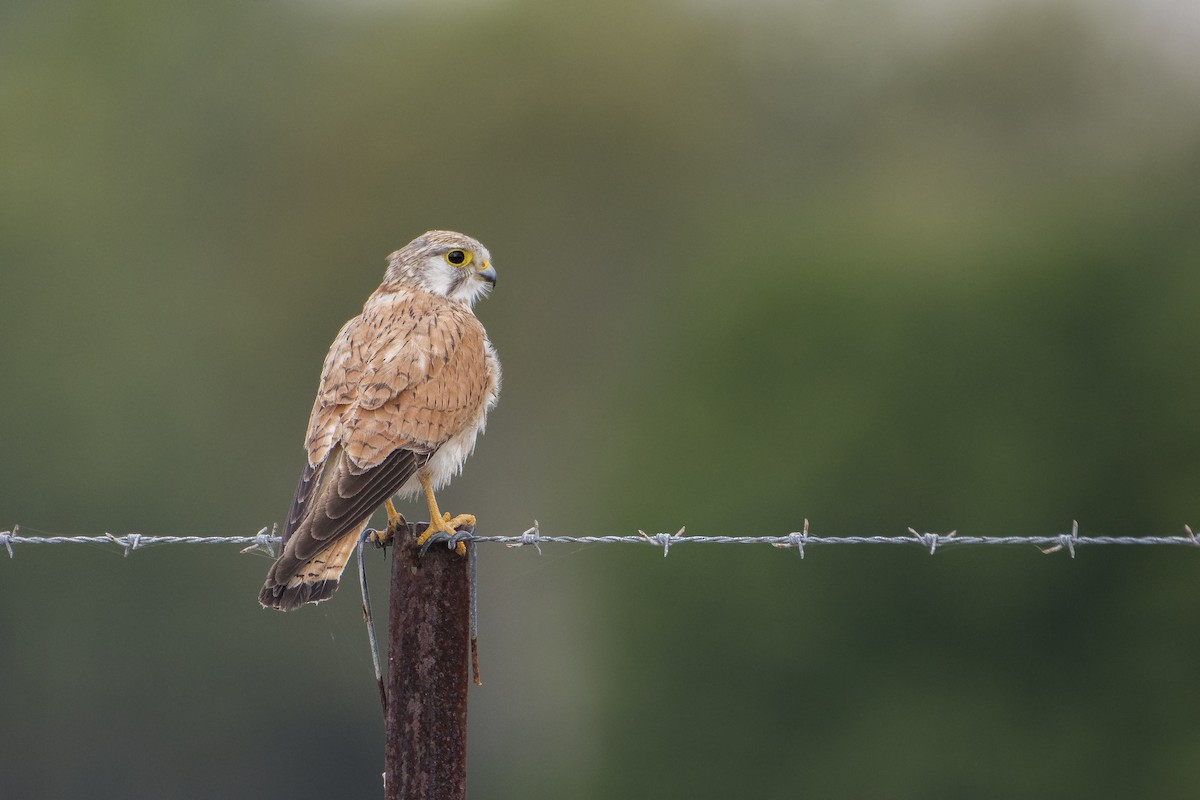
(874, 264)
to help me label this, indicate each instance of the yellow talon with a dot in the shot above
(440, 522)
(395, 521)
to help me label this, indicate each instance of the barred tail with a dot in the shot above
(312, 581)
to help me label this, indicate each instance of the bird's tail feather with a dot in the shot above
(314, 580)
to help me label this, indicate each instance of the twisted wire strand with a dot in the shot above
(267, 542)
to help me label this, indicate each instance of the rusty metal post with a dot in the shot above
(425, 751)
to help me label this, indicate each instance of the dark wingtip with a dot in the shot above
(284, 598)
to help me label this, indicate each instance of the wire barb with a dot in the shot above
(130, 541)
(1069, 540)
(7, 536)
(263, 542)
(532, 536)
(932, 540)
(796, 540)
(663, 540)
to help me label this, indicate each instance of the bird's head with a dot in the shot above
(444, 263)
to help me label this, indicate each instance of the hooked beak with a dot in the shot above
(488, 273)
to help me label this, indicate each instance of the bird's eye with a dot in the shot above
(458, 258)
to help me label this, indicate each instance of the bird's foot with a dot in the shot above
(445, 529)
(395, 522)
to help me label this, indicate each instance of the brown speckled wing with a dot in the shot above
(348, 496)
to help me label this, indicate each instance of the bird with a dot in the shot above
(404, 393)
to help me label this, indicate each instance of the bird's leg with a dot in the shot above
(439, 522)
(395, 522)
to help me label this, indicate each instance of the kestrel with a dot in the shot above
(405, 391)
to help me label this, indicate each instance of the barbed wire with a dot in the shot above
(266, 542)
